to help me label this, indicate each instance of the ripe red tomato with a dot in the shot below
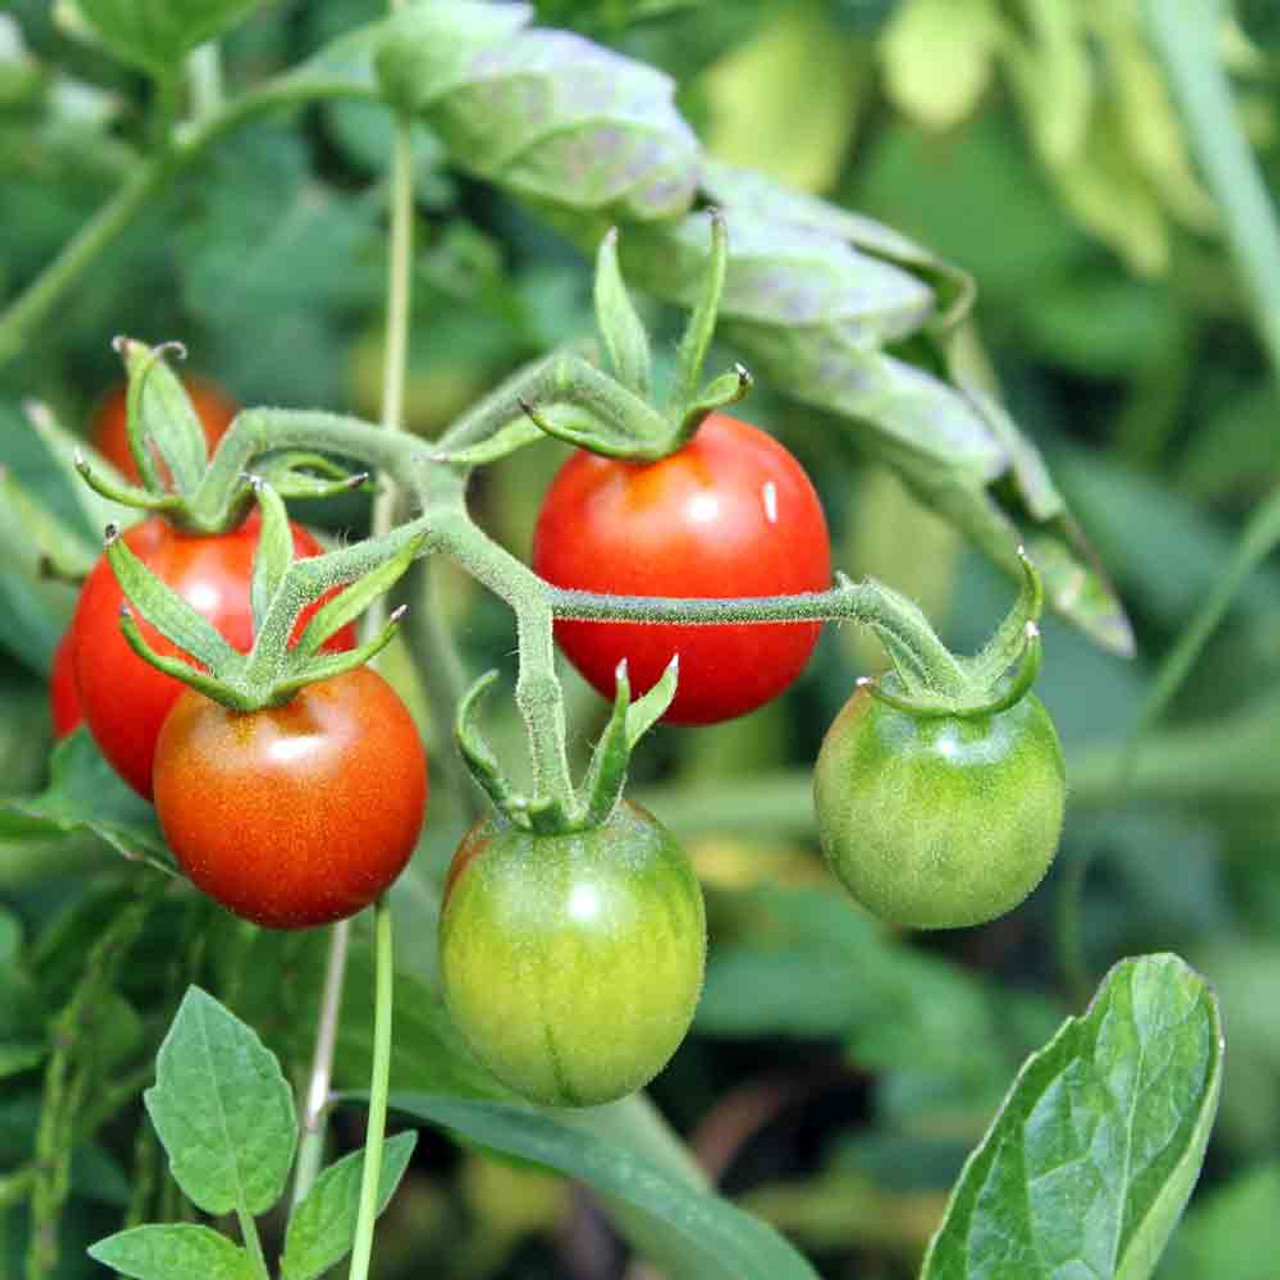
(730, 514)
(109, 431)
(123, 698)
(297, 815)
(64, 698)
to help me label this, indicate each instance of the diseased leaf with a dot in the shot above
(1087, 1167)
(223, 1110)
(322, 1228)
(547, 114)
(178, 1251)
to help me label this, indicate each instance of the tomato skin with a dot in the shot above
(572, 964)
(109, 430)
(730, 514)
(297, 815)
(64, 698)
(123, 698)
(938, 822)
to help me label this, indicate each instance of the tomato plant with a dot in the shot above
(938, 821)
(572, 963)
(109, 430)
(124, 700)
(730, 514)
(64, 698)
(295, 815)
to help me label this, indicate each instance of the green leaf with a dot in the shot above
(223, 1110)
(157, 34)
(173, 1252)
(86, 795)
(323, 1227)
(1090, 1162)
(546, 114)
(701, 1234)
(162, 422)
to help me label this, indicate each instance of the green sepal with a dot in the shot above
(613, 437)
(108, 484)
(702, 323)
(166, 610)
(159, 413)
(348, 605)
(620, 328)
(337, 664)
(1006, 644)
(308, 475)
(523, 431)
(175, 667)
(274, 553)
(628, 723)
(719, 394)
(478, 756)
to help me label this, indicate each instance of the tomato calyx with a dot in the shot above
(168, 443)
(606, 775)
(992, 681)
(610, 412)
(283, 588)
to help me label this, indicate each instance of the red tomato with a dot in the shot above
(109, 431)
(730, 514)
(296, 815)
(64, 699)
(123, 698)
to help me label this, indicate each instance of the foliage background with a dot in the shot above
(837, 1075)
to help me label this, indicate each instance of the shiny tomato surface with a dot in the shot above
(64, 699)
(109, 431)
(123, 698)
(732, 513)
(296, 815)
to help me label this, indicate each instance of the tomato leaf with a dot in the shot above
(547, 114)
(1099, 1143)
(223, 1110)
(690, 1231)
(173, 1252)
(624, 336)
(323, 1227)
(156, 34)
(86, 795)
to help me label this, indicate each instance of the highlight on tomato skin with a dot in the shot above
(731, 513)
(64, 697)
(299, 815)
(109, 429)
(123, 698)
(572, 963)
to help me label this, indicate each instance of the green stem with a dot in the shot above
(249, 1233)
(378, 1088)
(204, 74)
(311, 1150)
(1185, 34)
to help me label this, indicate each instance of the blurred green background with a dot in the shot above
(837, 1075)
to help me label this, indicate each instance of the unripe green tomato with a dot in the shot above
(572, 964)
(939, 822)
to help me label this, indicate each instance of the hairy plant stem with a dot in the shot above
(379, 1085)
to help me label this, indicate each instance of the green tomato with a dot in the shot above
(572, 963)
(939, 822)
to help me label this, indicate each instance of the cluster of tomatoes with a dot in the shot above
(306, 813)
